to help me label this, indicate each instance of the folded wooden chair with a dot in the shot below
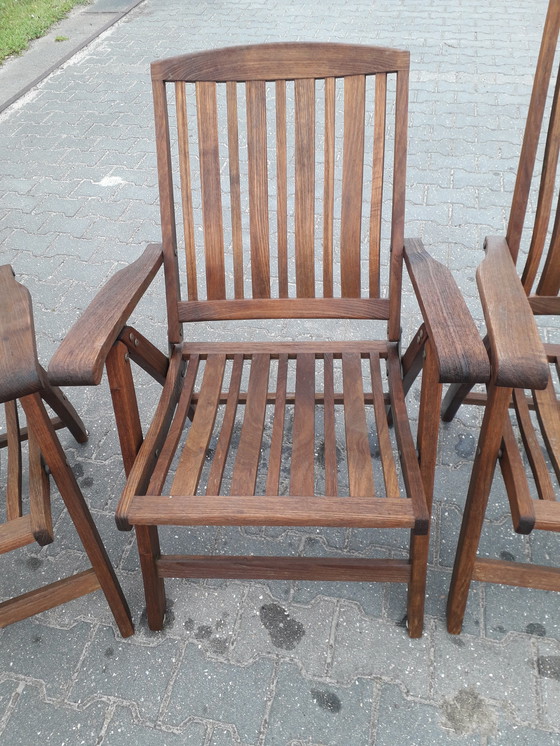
(280, 152)
(521, 379)
(23, 381)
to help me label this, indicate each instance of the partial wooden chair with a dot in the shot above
(23, 380)
(521, 379)
(280, 152)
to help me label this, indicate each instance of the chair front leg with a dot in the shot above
(149, 551)
(427, 441)
(487, 453)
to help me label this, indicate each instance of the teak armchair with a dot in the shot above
(522, 370)
(23, 380)
(284, 208)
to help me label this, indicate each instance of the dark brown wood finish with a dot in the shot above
(522, 368)
(270, 437)
(45, 451)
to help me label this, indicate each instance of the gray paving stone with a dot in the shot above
(372, 647)
(124, 730)
(226, 693)
(548, 673)
(113, 668)
(404, 720)
(55, 726)
(318, 711)
(463, 663)
(36, 652)
(289, 631)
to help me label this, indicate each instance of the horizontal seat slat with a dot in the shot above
(275, 349)
(262, 510)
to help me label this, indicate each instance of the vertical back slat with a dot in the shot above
(13, 486)
(352, 185)
(377, 183)
(331, 465)
(258, 188)
(275, 458)
(211, 191)
(533, 128)
(397, 216)
(282, 188)
(302, 477)
(235, 188)
(328, 189)
(222, 446)
(532, 446)
(546, 191)
(549, 283)
(305, 187)
(186, 188)
(167, 211)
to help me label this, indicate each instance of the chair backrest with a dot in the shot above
(282, 152)
(541, 273)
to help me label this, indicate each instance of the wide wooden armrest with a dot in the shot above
(517, 353)
(457, 345)
(80, 358)
(20, 372)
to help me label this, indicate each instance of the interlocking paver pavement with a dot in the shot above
(270, 664)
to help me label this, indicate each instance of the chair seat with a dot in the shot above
(286, 434)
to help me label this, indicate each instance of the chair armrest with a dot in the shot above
(459, 351)
(516, 351)
(20, 372)
(80, 358)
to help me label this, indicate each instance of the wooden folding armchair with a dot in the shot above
(521, 380)
(282, 175)
(23, 381)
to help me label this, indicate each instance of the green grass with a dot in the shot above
(23, 20)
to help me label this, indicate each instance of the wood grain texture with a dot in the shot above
(249, 450)
(20, 372)
(80, 358)
(186, 189)
(285, 568)
(532, 128)
(352, 187)
(257, 155)
(305, 187)
(211, 189)
(518, 357)
(281, 308)
(457, 345)
(193, 454)
(260, 510)
(289, 60)
(13, 483)
(302, 469)
(378, 168)
(235, 189)
(282, 187)
(358, 455)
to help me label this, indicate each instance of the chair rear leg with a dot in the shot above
(477, 499)
(154, 589)
(39, 421)
(125, 404)
(453, 399)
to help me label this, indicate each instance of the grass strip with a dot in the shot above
(24, 20)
